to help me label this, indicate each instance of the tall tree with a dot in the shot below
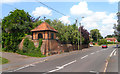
(14, 27)
(117, 28)
(85, 34)
(95, 34)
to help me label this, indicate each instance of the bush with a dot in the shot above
(40, 43)
(28, 45)
(102, 41)
(30, 50)
(111, 42)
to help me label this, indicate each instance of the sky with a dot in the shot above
(97, 15)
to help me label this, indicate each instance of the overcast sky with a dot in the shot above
(97, 15)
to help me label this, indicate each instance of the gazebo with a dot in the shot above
(48, 34)
(44, 31)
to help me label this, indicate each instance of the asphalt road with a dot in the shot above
(93, 59)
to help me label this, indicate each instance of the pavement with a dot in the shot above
(92, 60)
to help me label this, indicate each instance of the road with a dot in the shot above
(93, 59)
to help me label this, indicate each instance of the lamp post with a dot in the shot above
(80, 37)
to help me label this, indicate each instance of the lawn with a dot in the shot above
(3, 60)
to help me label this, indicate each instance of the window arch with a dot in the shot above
(40, 35)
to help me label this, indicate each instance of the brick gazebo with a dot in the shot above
(47, 33)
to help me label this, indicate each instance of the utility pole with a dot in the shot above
(78, 32)
(80, 38)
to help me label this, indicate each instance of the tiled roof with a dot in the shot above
(44, 26)
(111, 39)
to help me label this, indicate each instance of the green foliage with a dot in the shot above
(95, 34)
(3, 60)
(102, 41)
(111, 43)
(14, 27)
(30, 50)
(28, 45)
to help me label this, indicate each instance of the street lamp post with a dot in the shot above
(80, 37)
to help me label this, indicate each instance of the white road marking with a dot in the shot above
(112, 52)
(92, 53)
(115, 53)
(20, 68)
(61, 67)
(84, 57)
(93, 71)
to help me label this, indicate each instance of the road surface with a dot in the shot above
(93, 60)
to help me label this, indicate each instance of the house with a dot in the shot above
(111, 39)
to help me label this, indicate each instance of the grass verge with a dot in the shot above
(3, 60)
(32, 53)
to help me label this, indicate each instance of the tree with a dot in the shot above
(14, 27)
(117, 28)
(110, 36)
(95, 34)
(85, 35)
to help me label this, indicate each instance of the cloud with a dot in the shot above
(95, 20)
(41, 11)
(81, 9)
(113, 1)
(64, 19)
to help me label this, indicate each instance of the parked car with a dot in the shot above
(90, 45)
(104, 46)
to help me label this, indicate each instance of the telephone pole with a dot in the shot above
(80, 38)
(78, 32)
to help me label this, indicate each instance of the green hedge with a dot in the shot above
(112, 42)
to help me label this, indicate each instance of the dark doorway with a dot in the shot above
(52, 35)
(40, 36)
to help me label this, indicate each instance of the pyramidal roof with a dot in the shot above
(43, 27)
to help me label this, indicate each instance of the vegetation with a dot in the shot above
(110, 36)
(95, 35)
(85, 35)
(3, 60)
(14, 27)
(18, 24)
(102, 41)
(30, 50)
(117, 28)
(111, 42)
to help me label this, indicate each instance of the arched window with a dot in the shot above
(52, 35)
(40, 36)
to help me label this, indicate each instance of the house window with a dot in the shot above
(40, 36)
(52, 35)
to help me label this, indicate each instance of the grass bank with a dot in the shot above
(3, 60)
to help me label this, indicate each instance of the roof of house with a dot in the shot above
(111, 39)
(43, 27)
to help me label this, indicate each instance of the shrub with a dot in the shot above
(30, 50)
(28, 45)
(102, 41)
(111, 42)
(40, 43)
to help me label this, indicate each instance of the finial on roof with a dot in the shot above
(44, 18)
